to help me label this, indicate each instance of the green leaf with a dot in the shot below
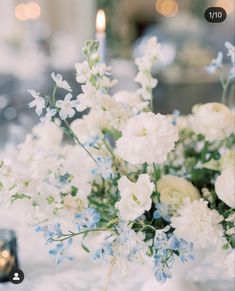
(19, 196)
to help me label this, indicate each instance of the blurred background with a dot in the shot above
(38, 37)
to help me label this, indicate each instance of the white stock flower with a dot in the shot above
(87, 98)
(130, 99)
(213, 120)
(82, 72)
(174, 190)
(60, 82)
(153, 48)
(135, 197)
(225, 186)
(66, 107)
(231, 51)
(197, 223)
(147, 137)
(38, 102)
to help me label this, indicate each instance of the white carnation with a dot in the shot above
(147, 137)
(199, 224)
(225, 186)
(213, 120)
(135, 197)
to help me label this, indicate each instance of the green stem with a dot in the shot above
(53, 95)
(75, 138)
(73, 234)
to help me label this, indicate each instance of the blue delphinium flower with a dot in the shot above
(166, 248)
(104, 168)
(49, 232)
(60, 252)
(215, 64)
(104, 253)
(183, 248)
(161, 211)
(176, 114)
(92, 141)
(87, 219)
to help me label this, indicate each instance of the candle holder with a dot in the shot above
(8, 253)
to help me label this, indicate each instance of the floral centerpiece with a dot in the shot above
(156, 186)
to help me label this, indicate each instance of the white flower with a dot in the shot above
(87, 98)
(38, 102)
(135, 197)
(174, 190)
(215, 63)
(130, 99)
(229, 262)
(199, 224)
(231, 51)
(66, 107)
(213, 120)
(153, 48)
(48, 116)
(83, 72)
(145, 80)
(49, 134)
(60, 82)
(147, 138)
(225, 186)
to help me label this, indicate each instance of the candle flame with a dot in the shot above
(100, 21)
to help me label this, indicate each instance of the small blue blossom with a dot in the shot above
(60, 252)
(87, 219)
(92, 141)
(231, 73)
(50, 232)
(176, 114)
(104, 253)
(104, 168)
(215, 64)
(166, 248)
(161, 211)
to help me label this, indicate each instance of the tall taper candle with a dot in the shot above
(101, 34)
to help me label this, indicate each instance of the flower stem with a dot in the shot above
(73, 234)
(75, 138)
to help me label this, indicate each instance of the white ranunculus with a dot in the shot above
(147, 137)
(174, 190)
(135, 197)
(225, 186)
(213, 120)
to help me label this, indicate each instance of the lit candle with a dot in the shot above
(100, 33)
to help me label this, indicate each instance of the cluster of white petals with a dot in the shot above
(197, 223)
(147, 138)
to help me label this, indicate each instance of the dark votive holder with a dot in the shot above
(8, 253)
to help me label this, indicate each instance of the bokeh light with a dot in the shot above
(228, 5)
(168, 8)
(26, 11)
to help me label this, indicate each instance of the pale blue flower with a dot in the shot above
(104, 253)
(215, 64)
(87, 219)
(92, 141)
(161, 212)
(165, 249)
(50, 232)
(176, 114)
(104, 168)
(60, 252)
